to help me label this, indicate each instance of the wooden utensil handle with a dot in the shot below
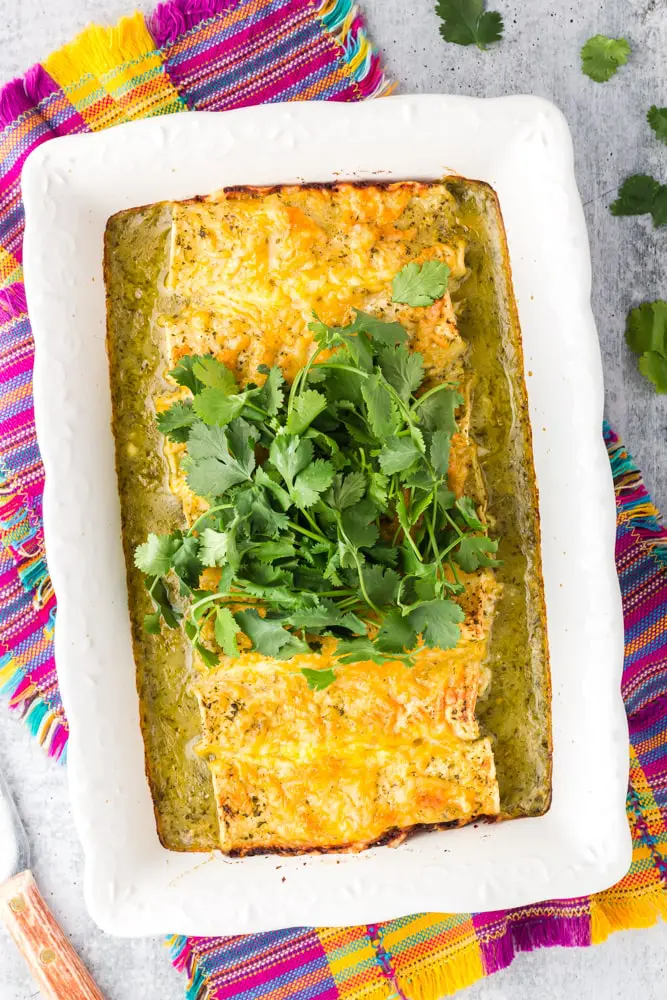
(55, 966)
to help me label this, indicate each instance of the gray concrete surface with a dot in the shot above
(540, 55)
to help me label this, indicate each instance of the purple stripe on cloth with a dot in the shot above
(176, 17)
(502, 935)
(229, 76)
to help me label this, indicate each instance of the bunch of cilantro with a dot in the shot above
(330, 513)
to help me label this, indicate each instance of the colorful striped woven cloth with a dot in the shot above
(214, 55)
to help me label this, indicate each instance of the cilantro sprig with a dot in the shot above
(330, 513)
(642, 194)
(466, 22)
(646, 335)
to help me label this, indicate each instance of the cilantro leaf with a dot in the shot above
(357, 523)
(438, 410)
(326, 615)
(214, 547)
(160, 597)
(355, 342)
(601, 57)
(654, 367)
(475, 551)
(657, 119)
(220, 457)
(467, 23)
(214, 374)
(186, 562)
(358, 650)
(254, 508)
(175, 423)
(184, 374)
(397, 634)
(646, 335)
(398, 454)
(636, 195)
(215, 407)
(646, 328)
(152, 623)
(289, 455)
(210, 658)
(269, 637)
(382, 413)
(377, 489)
(384, 554)
(385, 333)
(307, 406)
(382, 584)
(659, 210)
(466, 508)
(155, 556)
(438, 621)
(440, 445)
(270, 396)
(346, 490)
(226, 629)
(318, 680)
(403, 369)
(420, 284)
(311, 482)
(270, 551)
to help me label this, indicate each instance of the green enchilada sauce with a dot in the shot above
(515, 710)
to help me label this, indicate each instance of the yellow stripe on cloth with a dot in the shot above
(639, 899)
(434, 955)
(10, 269)
(353, 964)
(113, 75)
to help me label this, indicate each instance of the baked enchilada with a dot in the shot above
(329, 514)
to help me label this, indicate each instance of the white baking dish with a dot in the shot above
(522, 147)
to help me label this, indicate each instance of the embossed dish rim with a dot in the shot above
(522, 147)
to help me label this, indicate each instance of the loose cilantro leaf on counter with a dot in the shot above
(657, 119)
(601, 57)
(326, 514)
(466, 22)
(646, 335)
(654, 367)
(421, 284)
(636, 195)
(642, 195)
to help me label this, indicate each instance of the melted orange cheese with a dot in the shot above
(384, 748)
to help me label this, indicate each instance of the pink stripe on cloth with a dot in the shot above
(12, 302)
(15, 367)
(247, 37)
(248, 95)
(21, 633)
(247, 981)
